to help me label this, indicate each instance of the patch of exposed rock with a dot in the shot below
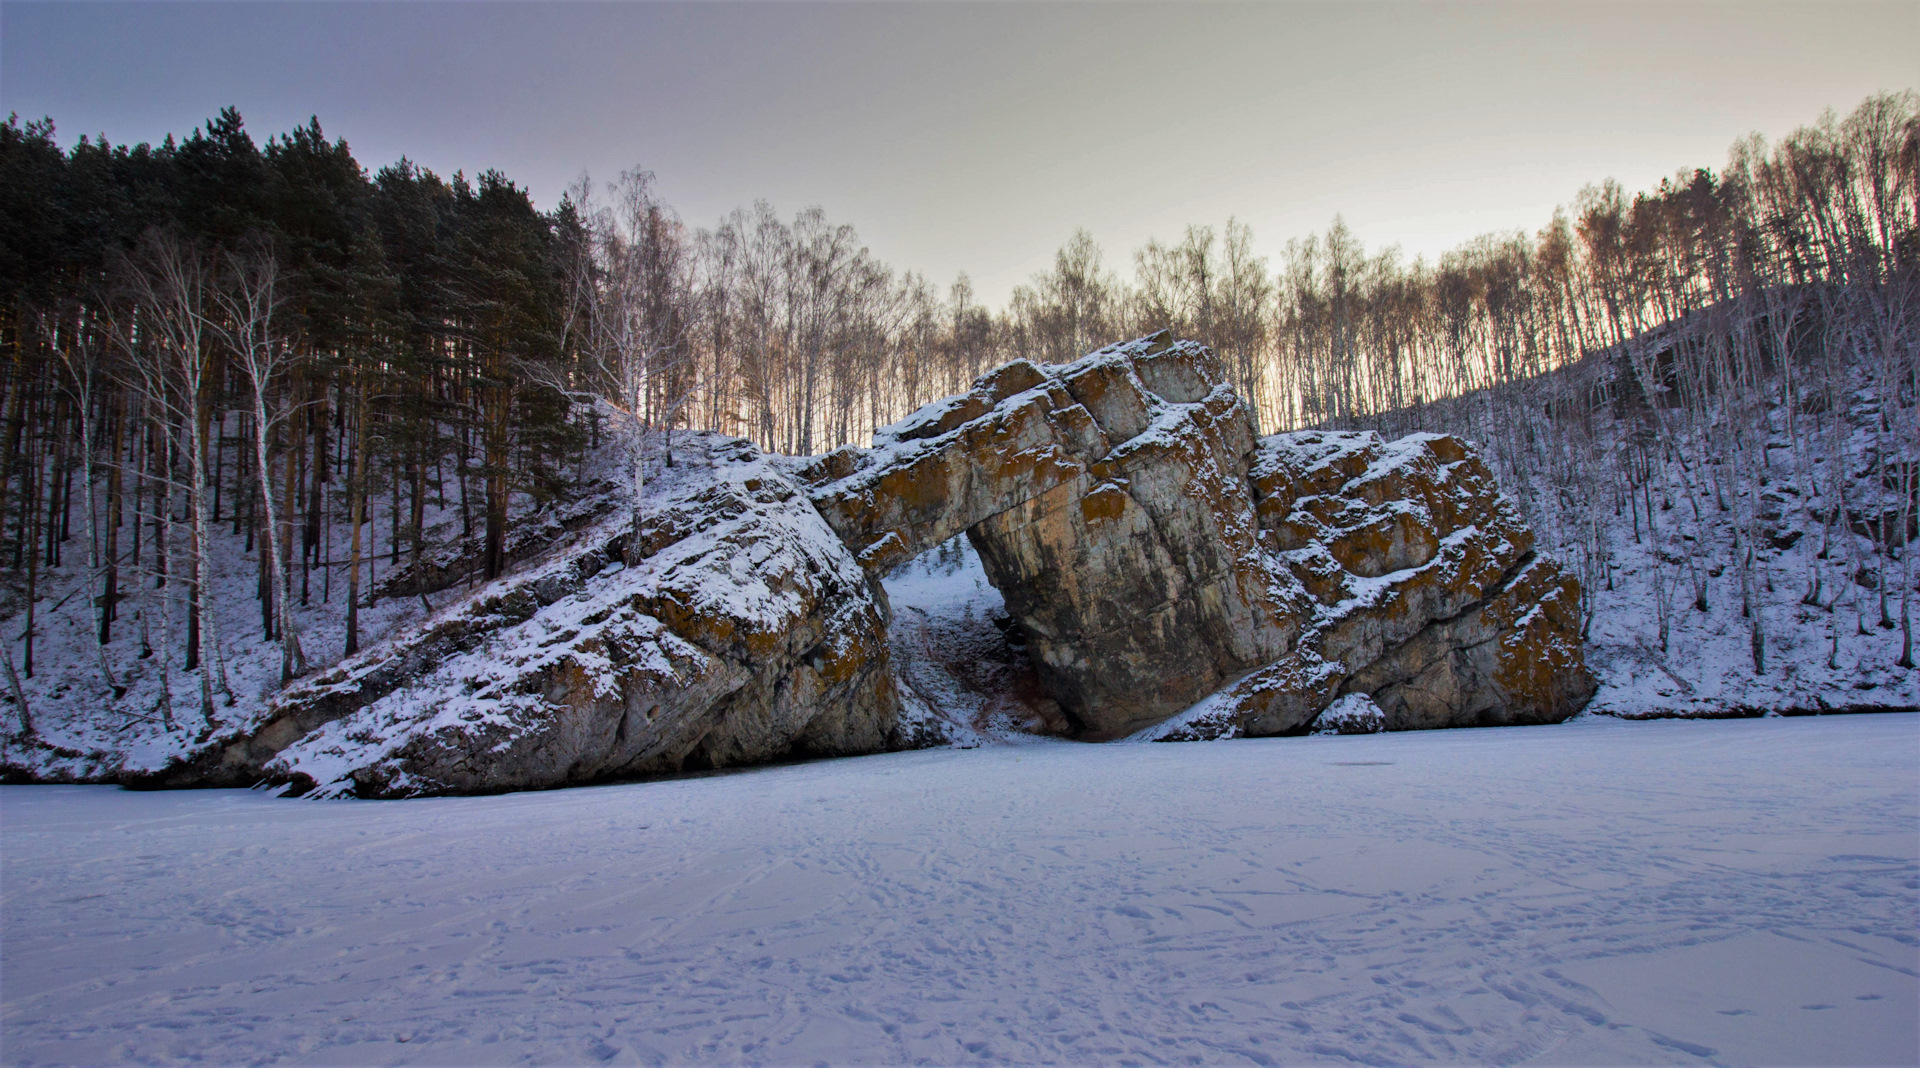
(1427, 595)
(742, 631)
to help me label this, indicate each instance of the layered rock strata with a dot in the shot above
(1427, 596)
(1109, 503)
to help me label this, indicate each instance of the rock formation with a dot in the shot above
(1427, 595)
(741, 631)
(1172, 576)
(1108, 500)
(1153, 551)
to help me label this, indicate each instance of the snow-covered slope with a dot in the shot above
(1596, 892)
(1650, 509)
(85, 731)
(734, 628)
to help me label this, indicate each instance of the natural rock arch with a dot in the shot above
(1153, 550)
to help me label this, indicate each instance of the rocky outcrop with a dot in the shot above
(741, 631)
(1169, 574)
(1428, 597)
(1152, 552)
(1109, 502)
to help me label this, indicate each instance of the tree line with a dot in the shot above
(216, 337)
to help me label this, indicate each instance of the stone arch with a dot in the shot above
(1154, 551)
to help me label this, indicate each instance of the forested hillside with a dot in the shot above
(1705, 401)
(221, 356)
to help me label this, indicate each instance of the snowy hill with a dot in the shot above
(1741, 532)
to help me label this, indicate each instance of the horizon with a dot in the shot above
(1453, 123)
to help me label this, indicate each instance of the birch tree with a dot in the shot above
(250, 302)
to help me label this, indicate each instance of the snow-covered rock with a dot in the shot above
(1354, 713)
(1149, 553)
(742, 631)
(1428, 595)
(1109, 503)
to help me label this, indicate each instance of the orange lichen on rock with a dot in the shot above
(1430, 598)
(1104, 502)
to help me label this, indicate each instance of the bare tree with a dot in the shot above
(170, 353)
(81, 359)
(248, 297)
(629, 318)
(1074, 308)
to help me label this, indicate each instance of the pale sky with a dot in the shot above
(977, 137)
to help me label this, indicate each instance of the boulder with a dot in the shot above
(1354, 713)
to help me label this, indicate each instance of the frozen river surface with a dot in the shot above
(1593, 893)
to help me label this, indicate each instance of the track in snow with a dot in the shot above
(1596, 892)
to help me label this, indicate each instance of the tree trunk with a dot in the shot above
(357, 493)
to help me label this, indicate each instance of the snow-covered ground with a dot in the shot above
(1595, 892)
(88, 733)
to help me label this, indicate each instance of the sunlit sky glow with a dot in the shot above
(977, 137)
